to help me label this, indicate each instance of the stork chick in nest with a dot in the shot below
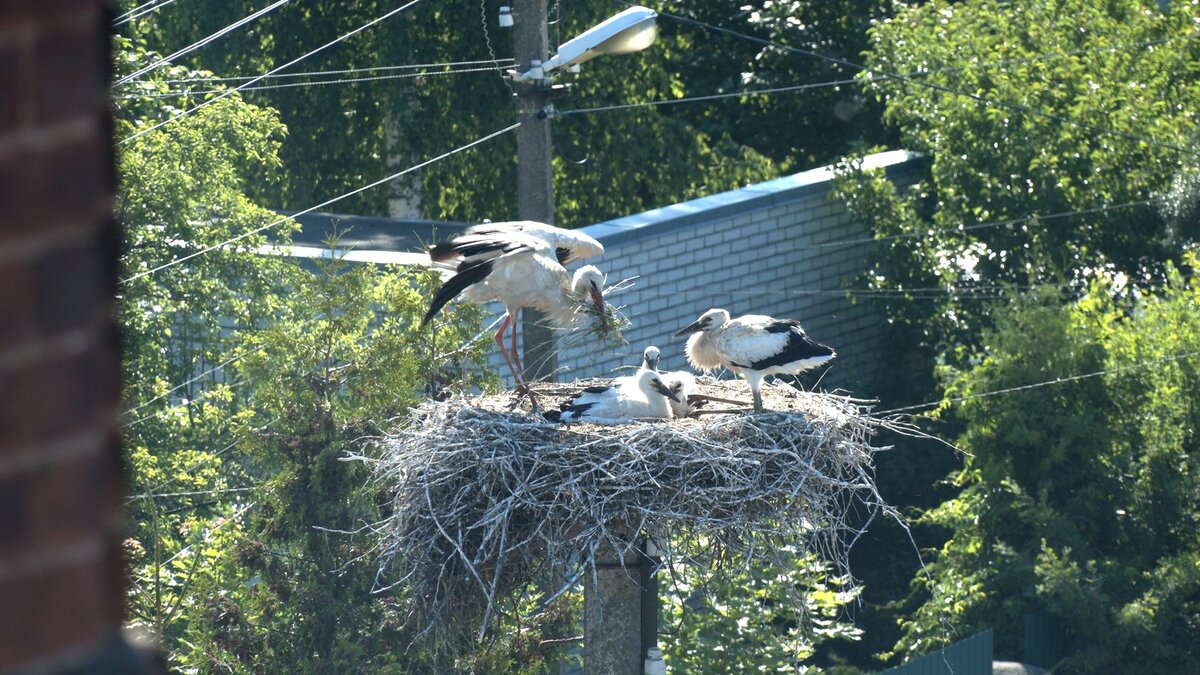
(641, 395)
(753, 346)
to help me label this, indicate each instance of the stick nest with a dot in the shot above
(485, 500)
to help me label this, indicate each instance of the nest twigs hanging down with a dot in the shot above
(485, 501)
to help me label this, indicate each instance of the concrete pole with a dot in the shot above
(535, 191)
(612, 616)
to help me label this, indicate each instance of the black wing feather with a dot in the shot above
(468, 246)
(468, 274)
(797, 348)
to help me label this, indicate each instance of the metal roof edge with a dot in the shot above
(779, 190)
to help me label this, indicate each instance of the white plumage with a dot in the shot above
(520, 264)
(752, 345)
(683, 385)
(641, 395)
(650, 358)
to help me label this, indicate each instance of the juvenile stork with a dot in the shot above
(520, 264)
(641, 395)
(752, 345)
(650, 358)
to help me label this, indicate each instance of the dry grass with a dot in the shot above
(484, 499)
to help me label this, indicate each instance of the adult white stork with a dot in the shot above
(641, 395)
(753, 345)
(520, 264)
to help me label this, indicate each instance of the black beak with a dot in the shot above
(652, 362)
(691, 328)
(657, 385)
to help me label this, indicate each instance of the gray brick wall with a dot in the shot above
(765, 249)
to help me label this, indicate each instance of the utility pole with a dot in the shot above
(620, 610)
(535, 190)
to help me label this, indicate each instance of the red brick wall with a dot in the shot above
(61, 578)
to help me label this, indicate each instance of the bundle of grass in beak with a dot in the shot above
(603, 321)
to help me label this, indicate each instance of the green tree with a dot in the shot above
(771, 618)
(355, 133)
(182, 190)
(345, 358)
(246, 378)
(1079, 497)
(1050, 131)
(1062, 119)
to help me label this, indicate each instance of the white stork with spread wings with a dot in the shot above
(520, 264)
(752, 345)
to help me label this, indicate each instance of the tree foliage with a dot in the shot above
(1079, 498)
(771, 619)
(247, 377)
(1051, 130)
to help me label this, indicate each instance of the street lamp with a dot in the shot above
(630, 31)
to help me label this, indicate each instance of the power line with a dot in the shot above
(271, 72)
(909, 80)
(139, 11)
(709, 97)
(192, 493)
(197, 464)
(1046, 383)
(978, 226)
(349, 80)
(201, 43)
(179, 386)
(877, 78)
(342, 71)
(323, 204)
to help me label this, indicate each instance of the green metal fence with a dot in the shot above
(972, 656)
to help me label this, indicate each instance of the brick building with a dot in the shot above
(61, 575)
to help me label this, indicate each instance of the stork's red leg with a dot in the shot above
(499, 338)
(523, 385)
(516, 358)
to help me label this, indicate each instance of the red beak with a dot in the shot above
(599, 300)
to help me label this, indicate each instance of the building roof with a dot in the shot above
(368, 238)
(390, 240)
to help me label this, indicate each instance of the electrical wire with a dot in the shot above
(138, 12)
(323, 204)
(487, 40)
(875, 78)
(1038, 385)
(342, 71)
(930, 85)
(978, 226)
(277, 69)
(288, 85)
(709, 97)
(201, 43)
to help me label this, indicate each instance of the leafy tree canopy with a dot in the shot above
(1079, 498)
(1052, 130)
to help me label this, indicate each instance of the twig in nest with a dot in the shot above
(486, 502)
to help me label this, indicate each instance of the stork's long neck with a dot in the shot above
(702, 353)
(564, 310)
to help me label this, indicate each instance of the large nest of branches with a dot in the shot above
(486, 500)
